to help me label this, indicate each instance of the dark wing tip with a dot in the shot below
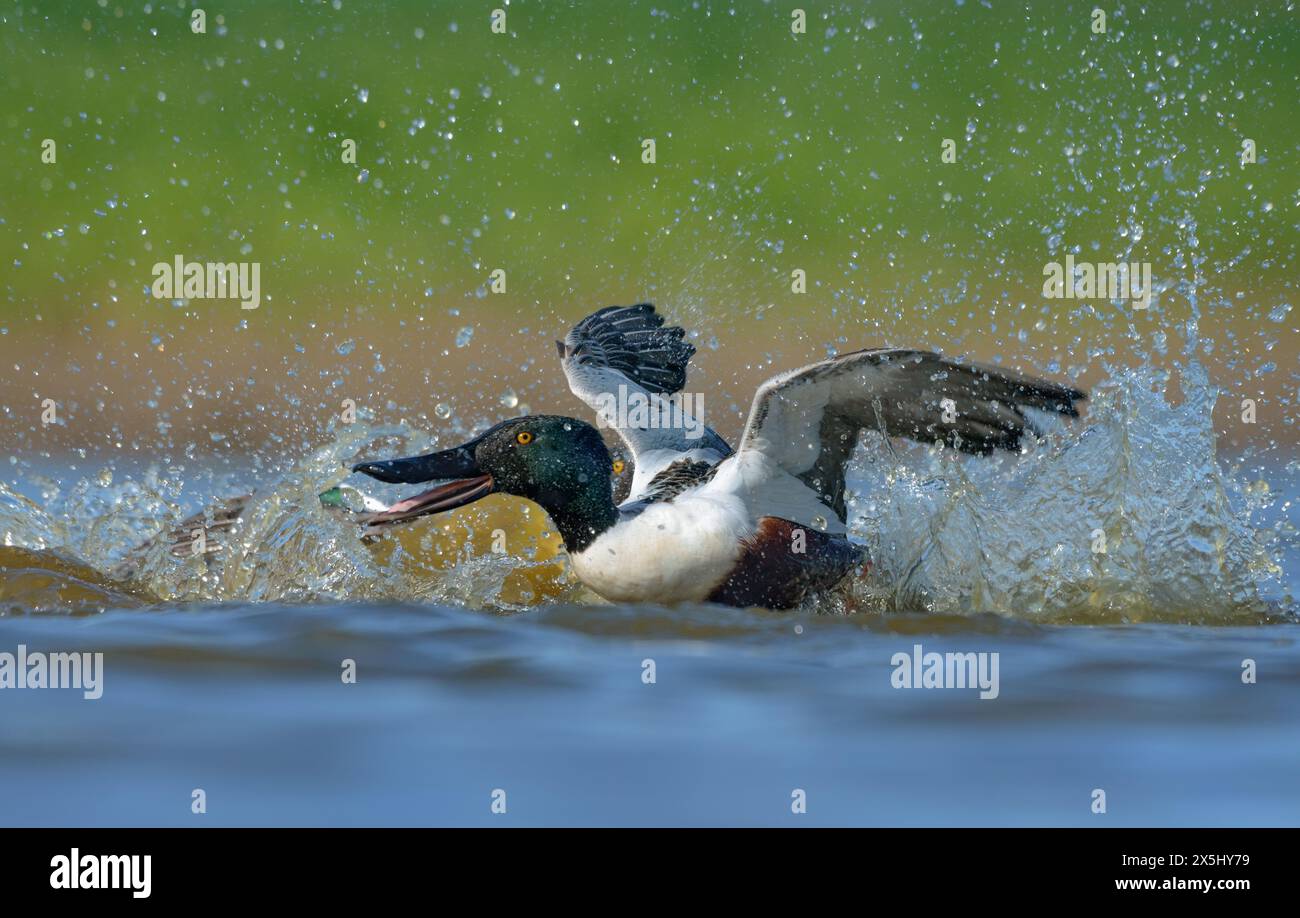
(992, 429)
(1051, 396)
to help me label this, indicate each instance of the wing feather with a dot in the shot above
(808, 420)
(627, 352)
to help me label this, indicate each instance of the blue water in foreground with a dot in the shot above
(247, 703)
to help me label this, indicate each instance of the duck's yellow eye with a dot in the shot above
(524, 437)
(619, 466)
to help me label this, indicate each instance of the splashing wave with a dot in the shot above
(1128, 517)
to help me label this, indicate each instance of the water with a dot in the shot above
(246, 702)
(479, 672)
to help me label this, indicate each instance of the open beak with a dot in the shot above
(468, 484)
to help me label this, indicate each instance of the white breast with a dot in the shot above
(670, 552)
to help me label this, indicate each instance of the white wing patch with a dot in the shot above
(767, 489)
(630, 369)
(646, 421)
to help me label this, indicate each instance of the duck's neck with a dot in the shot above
(582, 517)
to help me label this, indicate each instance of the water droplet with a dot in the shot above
(509, 399)
(464, 335)
(442, 410)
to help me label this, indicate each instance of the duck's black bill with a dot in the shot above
(457, 462)
(470, 483)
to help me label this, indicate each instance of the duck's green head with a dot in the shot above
(560, 463)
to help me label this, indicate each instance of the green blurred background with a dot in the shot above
(522, 151)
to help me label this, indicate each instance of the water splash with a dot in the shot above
(1132, 518)
(1128, 516)
(135, 540)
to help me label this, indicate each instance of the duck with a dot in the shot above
(679, 515)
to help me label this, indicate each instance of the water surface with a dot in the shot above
(246, 702)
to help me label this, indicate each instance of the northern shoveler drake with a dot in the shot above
(761, 525)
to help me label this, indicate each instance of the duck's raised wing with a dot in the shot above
(807, 421)
(627, 366)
